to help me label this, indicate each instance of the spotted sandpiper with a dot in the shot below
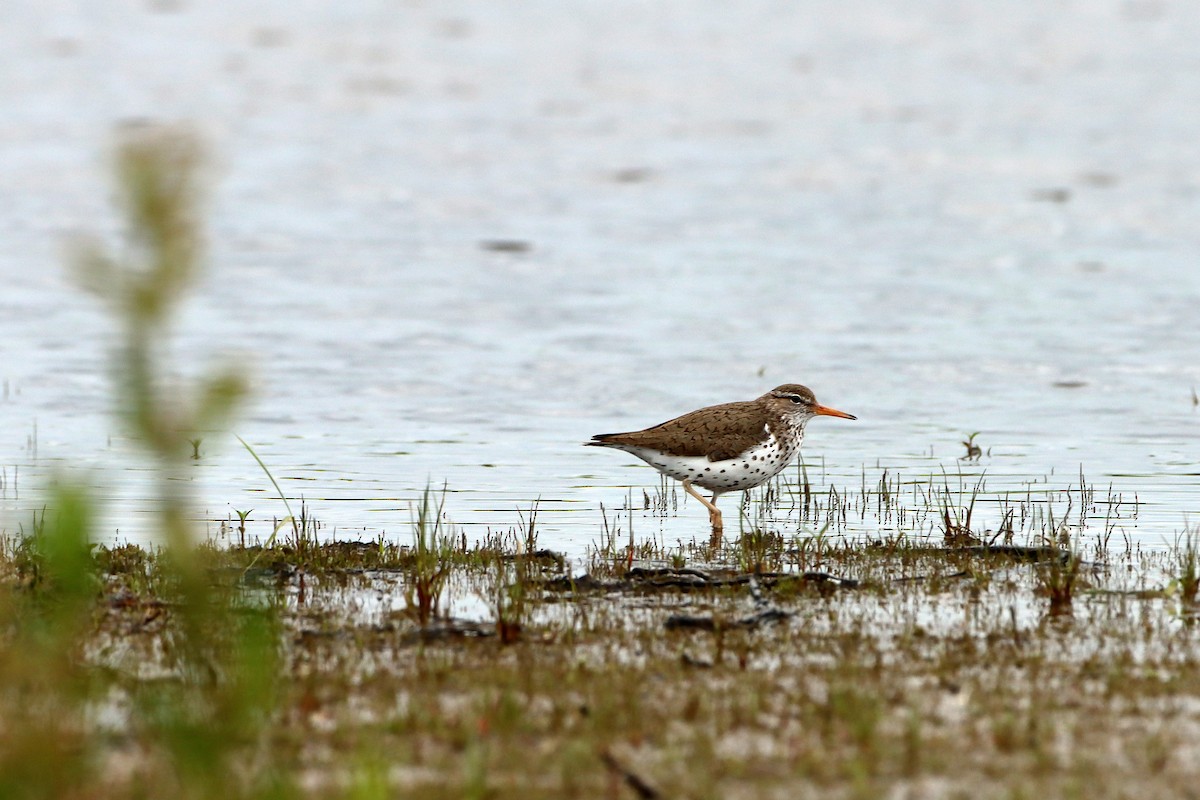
(727, 448)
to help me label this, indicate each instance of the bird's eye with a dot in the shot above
(796, 398)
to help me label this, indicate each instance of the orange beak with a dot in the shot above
(832, 412)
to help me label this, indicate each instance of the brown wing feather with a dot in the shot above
(719, 433)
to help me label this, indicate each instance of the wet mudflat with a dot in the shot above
(780, 668)
(445, 250)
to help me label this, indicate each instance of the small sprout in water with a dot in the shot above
(1195, 398)
(242, 515)
(195, 443)
(974, 451)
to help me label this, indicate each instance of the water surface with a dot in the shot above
(452, 241)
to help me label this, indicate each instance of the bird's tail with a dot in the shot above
(600, 440)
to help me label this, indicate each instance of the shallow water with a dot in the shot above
(944, 218)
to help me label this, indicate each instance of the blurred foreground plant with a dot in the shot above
(158, 176)
(46, 613)
(221, 649)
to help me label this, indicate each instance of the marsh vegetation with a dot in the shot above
(777, 666)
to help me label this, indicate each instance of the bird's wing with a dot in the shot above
(718, 433)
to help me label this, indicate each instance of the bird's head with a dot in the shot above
(795, 400)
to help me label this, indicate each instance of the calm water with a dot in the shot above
(943, 217)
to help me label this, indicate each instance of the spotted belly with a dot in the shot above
(753, 467)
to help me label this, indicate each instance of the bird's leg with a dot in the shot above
(714, 513)
(714, 516)
(718, 527)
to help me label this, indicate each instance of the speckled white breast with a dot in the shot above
(755, 466)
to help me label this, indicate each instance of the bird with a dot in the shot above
(729, 447)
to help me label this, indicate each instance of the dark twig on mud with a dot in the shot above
(443, 629)
(918, 578)
(656, 579)
(632, 779)
(1015, 551)
(677, 622)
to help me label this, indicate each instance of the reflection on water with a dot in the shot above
(451, 252)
